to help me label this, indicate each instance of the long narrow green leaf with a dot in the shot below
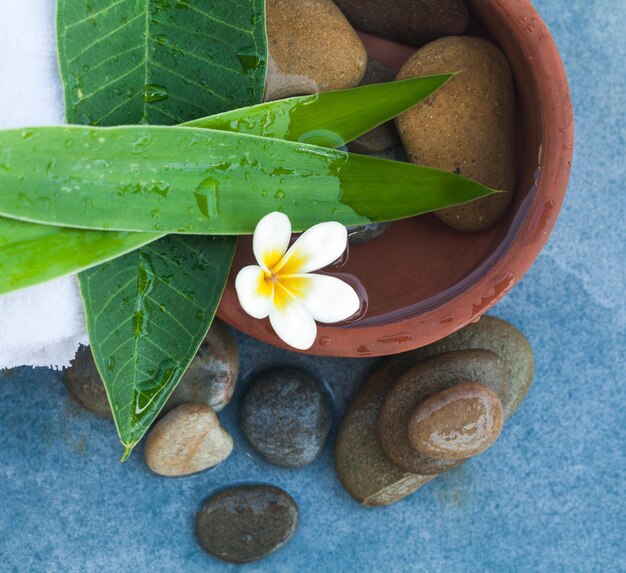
(31, 254)
(201, 181)
(329, 119)
(346, 113)
(162, 62)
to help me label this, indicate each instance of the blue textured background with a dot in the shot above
(549, 496)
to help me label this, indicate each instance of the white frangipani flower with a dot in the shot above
(283, 287)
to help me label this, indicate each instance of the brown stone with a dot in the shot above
(312, 48)
(409, 21)
(362, 467)
(423, 380)
(501, 337)
(247, 523)
(468, 126)
(457, 423)
(187, 440)
(212, 374)
(84, 384)
(210, 378)
(384, 136)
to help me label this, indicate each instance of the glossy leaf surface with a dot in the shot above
(200, 181)
(161, 62)
(329, 119)
(31, 254)
(147, 319)
(346, 114)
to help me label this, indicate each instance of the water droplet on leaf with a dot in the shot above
(154, 93)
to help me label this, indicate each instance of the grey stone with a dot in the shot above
(247, 523)
(286, 415)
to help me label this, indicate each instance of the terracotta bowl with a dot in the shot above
(424, 280)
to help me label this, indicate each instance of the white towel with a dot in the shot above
(41, 325)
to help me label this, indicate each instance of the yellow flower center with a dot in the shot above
(281, 281)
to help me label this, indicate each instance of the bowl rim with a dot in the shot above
(557, 145)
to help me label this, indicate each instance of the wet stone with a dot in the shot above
(286, 415)
(422, 381)
(506, 341)
(187, 440)
(247, 523)
(84, 384)
(210, 378)
(457, 423)
(362, 467)
(212, 374)
(365, 233)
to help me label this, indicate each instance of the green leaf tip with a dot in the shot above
(341, 116)
(150, 62)
(236, 179)
(127, 451)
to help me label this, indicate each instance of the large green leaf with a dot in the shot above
(345, 114)
(146, 321)
(202, 181)
(157, 61)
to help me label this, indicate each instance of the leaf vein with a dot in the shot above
(214, 19)
(101, 38)
(94, 15)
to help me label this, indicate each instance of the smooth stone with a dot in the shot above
(412, 22)
(428, 377)
(365, 233)
(312, 48)
(457, 423)
(212, 374)
(187, 440)
(506, 341)
(247, 523)
(84, 384)
(361, 465)
(286, 415)
(210, 378)
(468, 126)
(384, 136)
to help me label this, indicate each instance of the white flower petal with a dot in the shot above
(316, 248)
(328, 299)
(271, 239)
(255, 295)
(294, 324)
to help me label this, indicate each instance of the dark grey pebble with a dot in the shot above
(286, 415)
(409, 21)
(246, 523)
(384, 136)
(365, 233)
